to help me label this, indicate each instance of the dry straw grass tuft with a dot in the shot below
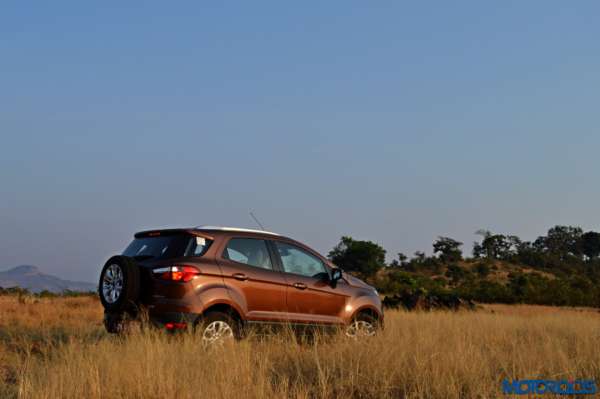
(56, 348)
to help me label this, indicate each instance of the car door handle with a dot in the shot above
(239, 276)
(300, 286)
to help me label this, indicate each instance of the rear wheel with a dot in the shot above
(115, 323)
(218, 328)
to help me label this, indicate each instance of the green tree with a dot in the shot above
(590, 244)
(400, 262)
(448, 249)
(561, 241)
(496, 246)
(419, 257)
(363, 257)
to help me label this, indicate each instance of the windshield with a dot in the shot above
(164, 247)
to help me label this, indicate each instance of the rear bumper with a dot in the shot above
(164, 318)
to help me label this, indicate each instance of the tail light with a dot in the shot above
(176, 273)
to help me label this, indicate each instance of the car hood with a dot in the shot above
(356, 282)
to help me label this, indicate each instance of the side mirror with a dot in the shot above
(336, 275)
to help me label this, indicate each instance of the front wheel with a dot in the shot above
(363, 325)
(218, 328)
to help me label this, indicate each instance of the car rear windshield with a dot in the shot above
(167, 246)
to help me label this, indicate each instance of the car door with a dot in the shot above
(310, 295)
(252, 279)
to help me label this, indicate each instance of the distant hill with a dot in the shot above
(31, 278)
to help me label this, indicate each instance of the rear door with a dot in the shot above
(252, 279)
(310, 296)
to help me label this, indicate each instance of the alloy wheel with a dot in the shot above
(217, 332)
(112, 283)
(360, 328)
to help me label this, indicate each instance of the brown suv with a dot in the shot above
(222, 280)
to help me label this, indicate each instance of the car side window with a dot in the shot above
(249, 251)
(297, 261)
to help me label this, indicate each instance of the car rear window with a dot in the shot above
(168, 246)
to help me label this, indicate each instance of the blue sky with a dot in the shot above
(389, 121)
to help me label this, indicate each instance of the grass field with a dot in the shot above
(57, 348)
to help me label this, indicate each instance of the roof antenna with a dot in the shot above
(256, 220)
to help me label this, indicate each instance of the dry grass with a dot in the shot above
(56, 348)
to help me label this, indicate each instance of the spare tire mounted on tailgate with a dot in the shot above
(119, 286)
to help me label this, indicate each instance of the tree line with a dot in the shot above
(559, 268)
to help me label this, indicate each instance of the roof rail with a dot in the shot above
(222, 228)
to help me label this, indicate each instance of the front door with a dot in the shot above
(252, 280)
(310, 296)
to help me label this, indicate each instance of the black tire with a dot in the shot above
(126, 301)
(115, 323)
(369, 318)
(215, 316)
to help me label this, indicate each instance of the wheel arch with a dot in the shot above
(369, 310)
(224, 307)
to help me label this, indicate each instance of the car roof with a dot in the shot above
(235, 229)
(207, 231)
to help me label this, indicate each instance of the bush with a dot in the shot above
(482, 269)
